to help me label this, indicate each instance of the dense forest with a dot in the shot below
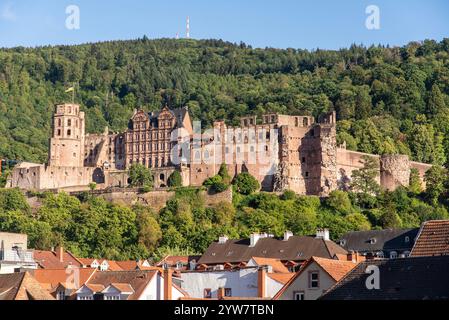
(92, 227)
(388, 100)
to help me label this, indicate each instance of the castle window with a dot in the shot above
(59, 132)
(69, 132)
(273, 118)
(227, 150)
(59, 122)
(303, 160)
(77, 123)
(266, 148)
(74, 155)
(267, 135)
(69, 122)
(296, 122)
(305, 122)
(307, 174)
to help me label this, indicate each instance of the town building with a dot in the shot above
(413, 278)
(14, 255)
(282, 151)
(291, 250)
(315, 277)
(243, 282)
(387, 243)
(179, 262)
(130, 285)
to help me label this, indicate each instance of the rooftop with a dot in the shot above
(433, 239)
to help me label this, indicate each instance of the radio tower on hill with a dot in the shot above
(188, 28)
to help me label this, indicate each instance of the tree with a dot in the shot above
(223, 173)
(149, 230)
(245, 183)
(415, 184)
(175, 179)
(140, 176)
(434, 179)
(364, 179)
(339, 201)
(435, 103)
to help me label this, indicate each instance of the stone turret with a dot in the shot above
(394, 171)
(67, 140)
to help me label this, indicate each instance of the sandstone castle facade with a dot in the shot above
(283, 152)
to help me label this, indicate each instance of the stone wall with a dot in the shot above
(158, 198)
(394, 171)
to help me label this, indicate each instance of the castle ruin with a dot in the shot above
(283, 152)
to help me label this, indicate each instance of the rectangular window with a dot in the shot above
(314, 279)
(207, 293)
(298, 295)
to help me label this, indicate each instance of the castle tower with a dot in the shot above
(67, 140)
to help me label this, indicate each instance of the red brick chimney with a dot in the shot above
(261, 283)
(168, 283)
(220, 293)
(60, 253)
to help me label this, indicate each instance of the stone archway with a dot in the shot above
(98, 176)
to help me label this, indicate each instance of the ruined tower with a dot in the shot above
(67, 139)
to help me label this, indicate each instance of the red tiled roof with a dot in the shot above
(22, 286)
(281, 277)
(51, 278)
(50, 260)
(276, 264)
(123, 287)
(433, 239)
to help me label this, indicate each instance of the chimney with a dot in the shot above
(287, 235)
(60, 253)
(220, 293)
(253, 239)
(168, 283)
(222, 239)
(322, 234)
(261, 281)
(354, 257)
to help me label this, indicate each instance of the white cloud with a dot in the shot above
(6, 12)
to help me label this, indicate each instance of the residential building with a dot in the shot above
(432, 240)
(21, 286)
(131, 285)
(56, 259)
(245, 282)
(387, 243)
(315, 277)
(291, 250)
(413, 278)
(14, 255)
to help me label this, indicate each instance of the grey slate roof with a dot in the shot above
(385, 240)
(296, 248)
(418, 278)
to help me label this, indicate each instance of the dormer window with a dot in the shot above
(372, 240)
(342, 242)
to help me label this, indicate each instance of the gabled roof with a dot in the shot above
(137, 279)
(21, 286)
(50, 279)
(49, 259)
(122, 287)
(433, 239)
(336, 269)
(296, 248)
(387, 239)
(418, 278)
(276, 264)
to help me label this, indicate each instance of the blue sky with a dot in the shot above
(327, 24)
